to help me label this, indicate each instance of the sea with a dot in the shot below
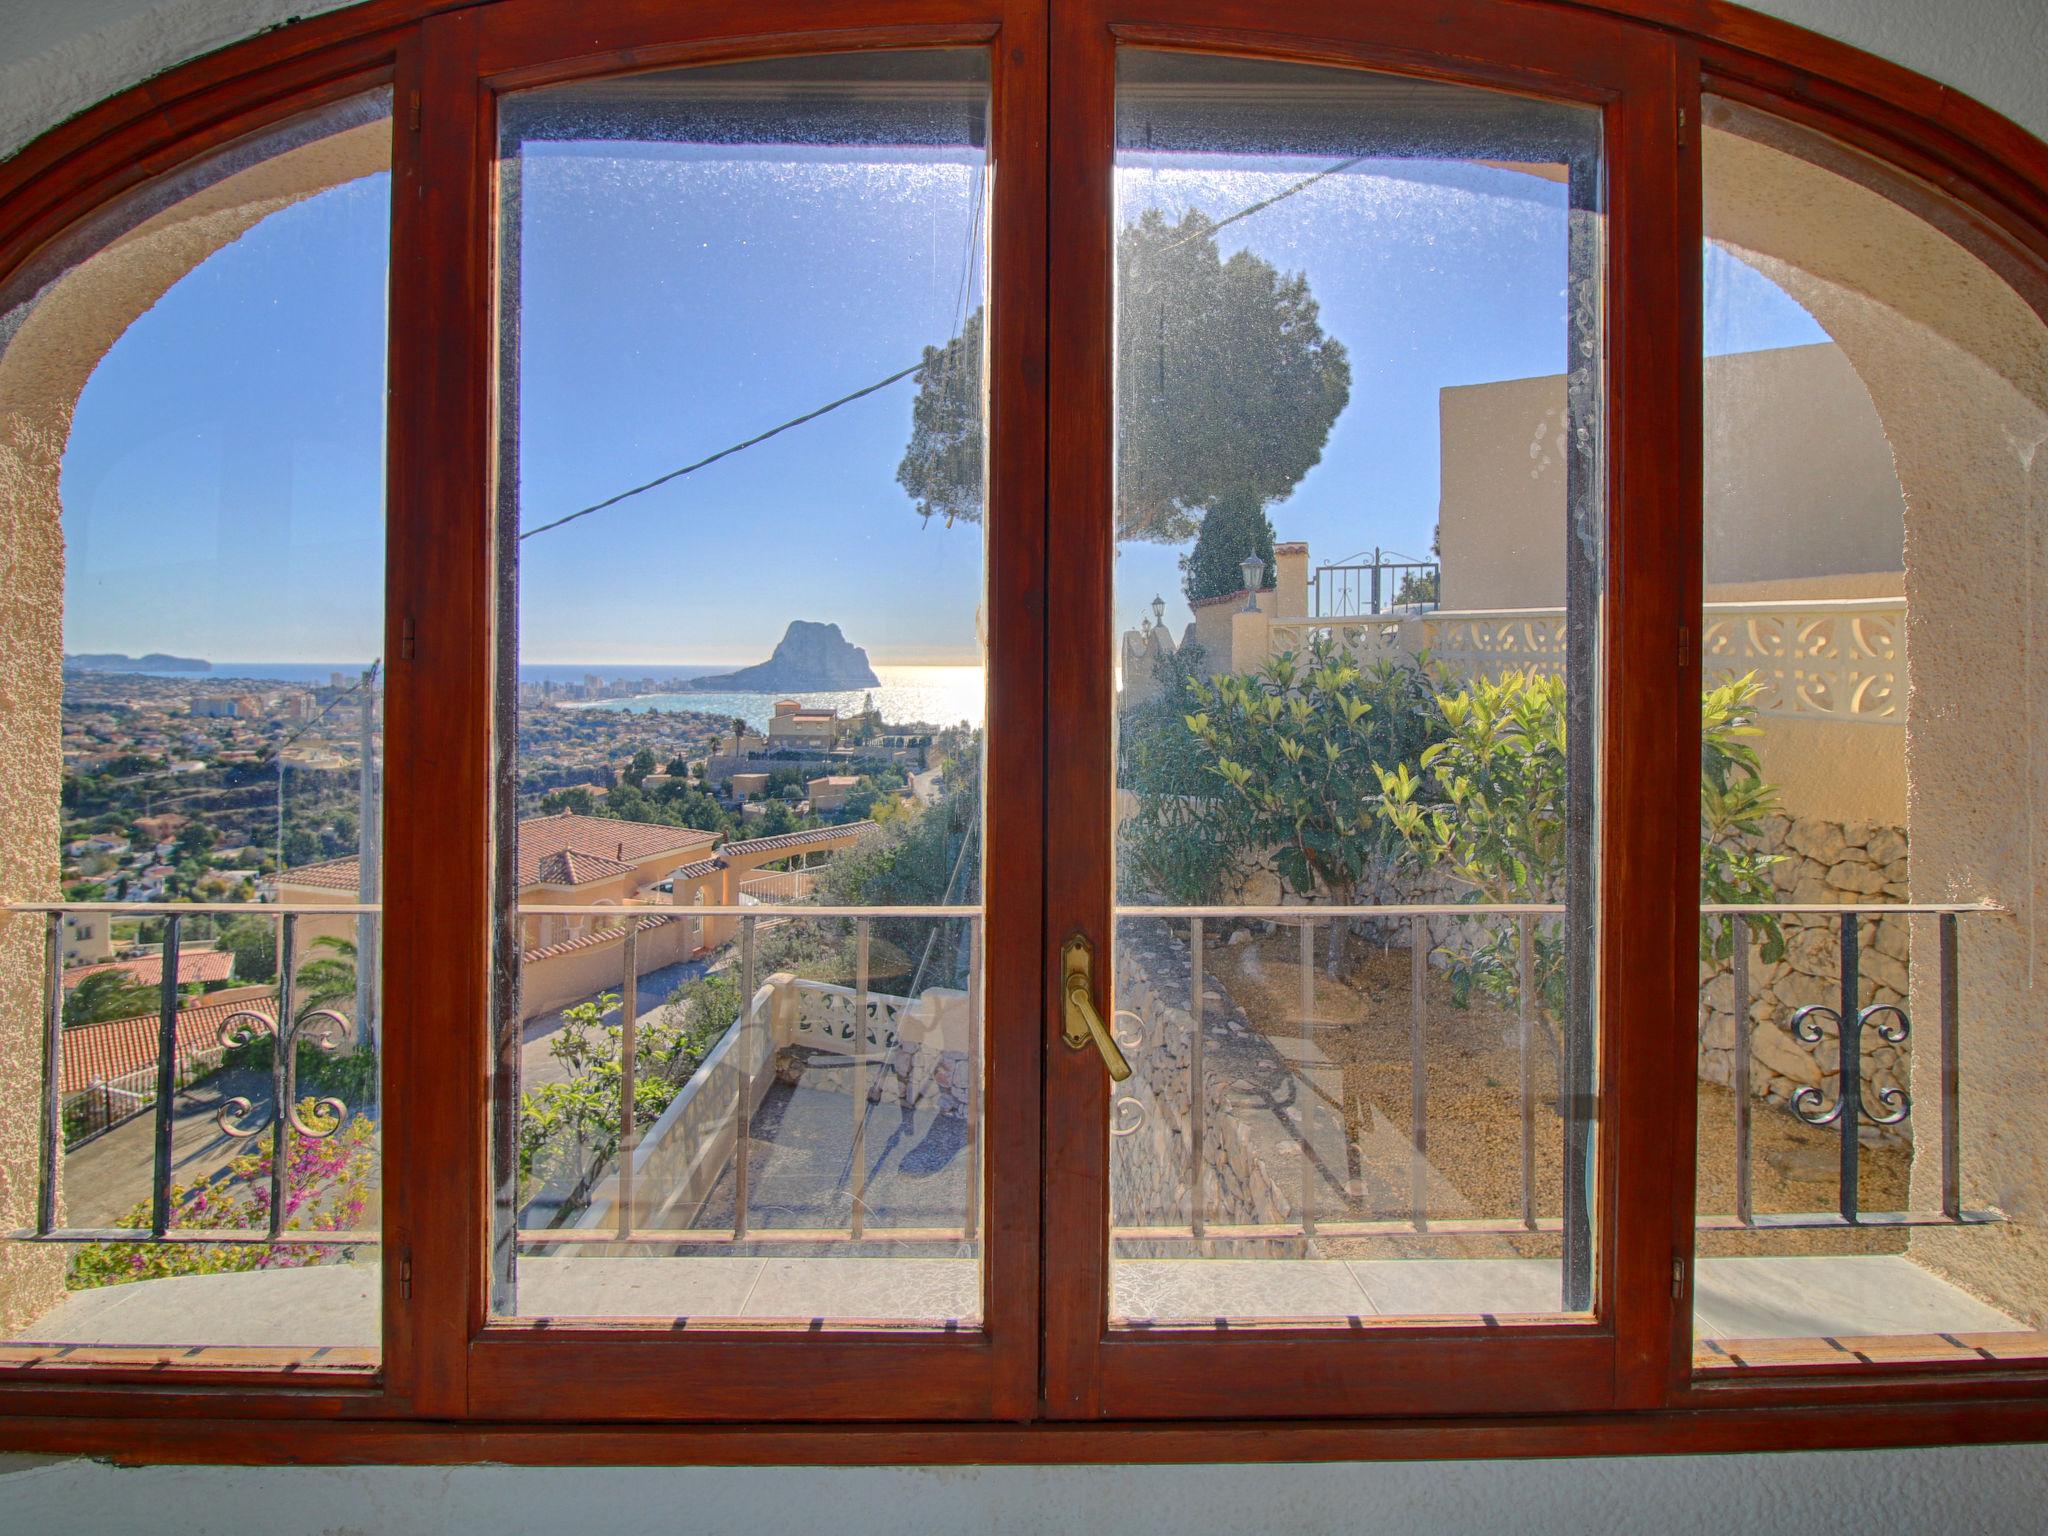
(937, 696)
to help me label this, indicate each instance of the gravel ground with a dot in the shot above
(1362, 1024)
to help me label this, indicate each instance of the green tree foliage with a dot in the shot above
(1419, 587)
(1297, 748)
(1183, 843)
(569, 1130)
(637, 770)
(1488, 809)
(927, 856)
(1235, 529)
(109, 995)
(326, 979)
(253, 942)
(1227, 384)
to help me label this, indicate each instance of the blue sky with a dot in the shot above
(223, 487)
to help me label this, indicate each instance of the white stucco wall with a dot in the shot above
(58, 56)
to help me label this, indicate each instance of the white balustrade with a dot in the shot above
(1840, 660)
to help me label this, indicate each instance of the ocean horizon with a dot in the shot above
(906, 695)
(933, 696)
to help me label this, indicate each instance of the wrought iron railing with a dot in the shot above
(247, 1020)
(1856, 1102)
(1371, 587)
(712, 1118)
(1533, 1039)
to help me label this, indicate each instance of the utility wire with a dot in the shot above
(1260, 207)
(902, 373)
(724, 453)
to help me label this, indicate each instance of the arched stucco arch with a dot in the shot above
(58, 319)
(1955, 359)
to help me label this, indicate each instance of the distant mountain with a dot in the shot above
(155, 661)
(812, 658)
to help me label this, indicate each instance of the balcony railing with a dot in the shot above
(1836, 660)
(1153, 1024)
(177, 1054)
(708, 1132)
(1367, 588)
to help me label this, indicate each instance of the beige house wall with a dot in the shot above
(1831, 772)
(1800, 485)
(553, 981)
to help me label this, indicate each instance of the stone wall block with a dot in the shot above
(1821, 841)
(1784, 1056)
(1856, 877)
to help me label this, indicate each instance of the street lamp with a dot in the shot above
(1253, 569)
(1158, 609)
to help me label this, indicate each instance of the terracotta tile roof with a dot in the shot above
(572, 866)
(98, 1053)
(816, 837)
(328, 875)
(607, 935)
(193, 965)
(698, 870)
(603, 847)
(619, 842)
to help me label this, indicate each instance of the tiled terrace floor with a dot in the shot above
(1737, 1298)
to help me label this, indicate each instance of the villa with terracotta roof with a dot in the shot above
(564, 860)
(795, 725)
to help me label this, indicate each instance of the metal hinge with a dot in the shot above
(1683, 137)
(412, 111)
(406, 640)
(405, 1277)
(1678, 1279)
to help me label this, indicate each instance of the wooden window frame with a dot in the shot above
(455, 1386)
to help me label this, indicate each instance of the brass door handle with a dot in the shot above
(1083, 1023)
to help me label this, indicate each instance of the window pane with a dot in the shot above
(741, 525)
(1870, 1060)
(1359, 524)
(194, 392)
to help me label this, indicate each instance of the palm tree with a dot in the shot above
(324, 981)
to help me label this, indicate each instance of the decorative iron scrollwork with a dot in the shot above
(325, 1031)
(1893, 1104)
(1126, 1116)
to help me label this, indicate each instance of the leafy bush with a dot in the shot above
(1295, 750)
(569, 1130)
(1489, 810)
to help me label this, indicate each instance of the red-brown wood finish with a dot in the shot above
(649, 1369)
(1984, 180)
(1647, 824)
(438, 721)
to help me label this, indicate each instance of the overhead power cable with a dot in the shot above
(900, 374)
(725, 453)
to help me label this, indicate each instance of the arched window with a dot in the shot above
(1171, 586)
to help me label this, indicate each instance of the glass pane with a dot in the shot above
(1869, 1183)
(1358, 578)
(195, 392)
(741, 522)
